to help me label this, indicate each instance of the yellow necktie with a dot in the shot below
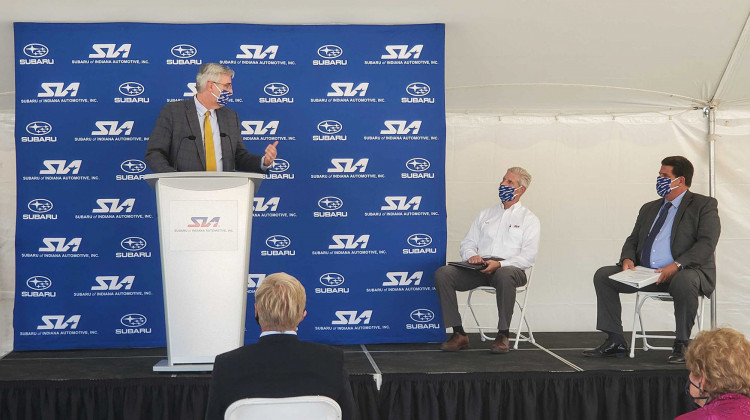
(208, 141)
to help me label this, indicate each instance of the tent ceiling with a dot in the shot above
(506, 56)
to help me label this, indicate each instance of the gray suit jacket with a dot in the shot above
(695, 233)
(176, 143)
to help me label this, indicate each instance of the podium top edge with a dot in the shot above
(202, 174)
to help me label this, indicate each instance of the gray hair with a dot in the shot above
(212, 72)
(525, 177)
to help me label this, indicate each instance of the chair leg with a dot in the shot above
(635, 315)
(482, 336)
(522, 320)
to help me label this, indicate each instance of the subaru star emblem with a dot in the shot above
(419, 240)
(418, 164)
(418, 89)
(330, 51)
(131, 88)
(184, 51)
(330, 203)
(35, 50)
(38, 128)
(133, 166)
(276, 89)
(133, 243)
(332, 279)
(422, 315)
(329, 127)
(278, 242)
(133, 320)
(279, 166)
(38, 283)
(40, 205)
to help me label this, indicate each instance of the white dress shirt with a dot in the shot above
(214, 130)
(511, 234)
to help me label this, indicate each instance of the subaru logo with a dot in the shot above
(133, 243)
(40, 205)
(131, 88)
(133, 320)
(329, 127)
(419, 240)
(279, 166)
(330, 51)
(35, 50)
(38, 128)
(276, 89)
(417, 164)
(422, 315)
(332, 279)
(184, 51)
(38, 283)
(330, 203)
(133, 166)
(278, 242)
(418, 89)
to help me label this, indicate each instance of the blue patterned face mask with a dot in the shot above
(663, 186)
(223, 98)
(506, 193)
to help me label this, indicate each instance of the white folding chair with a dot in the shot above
(291, 408)
(640, 299)
(522, 306)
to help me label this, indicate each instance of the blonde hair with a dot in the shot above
(525, 177)
(280, 302)
(212, 72)
(722, 357)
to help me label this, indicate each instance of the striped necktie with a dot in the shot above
(646, 252)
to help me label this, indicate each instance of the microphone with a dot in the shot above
(222, 135)
(179, 146)
(191, 137)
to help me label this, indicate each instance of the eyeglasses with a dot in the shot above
(227, 86)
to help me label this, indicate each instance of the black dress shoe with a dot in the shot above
(678, 353)
(608, 349)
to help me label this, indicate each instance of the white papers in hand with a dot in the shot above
(638, 278)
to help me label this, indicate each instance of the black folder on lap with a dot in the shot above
(468, 265)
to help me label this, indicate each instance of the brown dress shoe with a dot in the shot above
(457, 342)
(500, 345)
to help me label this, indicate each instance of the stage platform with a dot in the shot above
(547, 380)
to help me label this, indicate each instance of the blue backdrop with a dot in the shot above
(354, 207)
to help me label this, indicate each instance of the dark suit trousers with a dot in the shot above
(450, 279)
(684, 288)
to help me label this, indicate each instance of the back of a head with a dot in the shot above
(722, 357)
(280, 301)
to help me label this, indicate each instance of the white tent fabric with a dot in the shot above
(588, 94)
(591, 174)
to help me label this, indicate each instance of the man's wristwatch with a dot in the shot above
(679, 266)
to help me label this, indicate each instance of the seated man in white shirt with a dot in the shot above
(506, 238)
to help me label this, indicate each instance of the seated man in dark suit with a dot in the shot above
(279, 364)
(675, 235)
(201, 134)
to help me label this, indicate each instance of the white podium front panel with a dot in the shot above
(204, 230)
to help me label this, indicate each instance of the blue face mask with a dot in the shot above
(223, 98)
(506, 193)
(663, 186)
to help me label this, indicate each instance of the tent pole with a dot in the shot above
(710, 112)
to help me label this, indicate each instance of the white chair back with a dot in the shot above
(290, 408)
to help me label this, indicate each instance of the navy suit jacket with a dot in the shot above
(695, 233)
(176, 143)
(279, 366)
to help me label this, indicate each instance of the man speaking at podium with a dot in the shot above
(201, 134)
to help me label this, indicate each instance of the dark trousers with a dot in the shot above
(450, 279)
(684, 288)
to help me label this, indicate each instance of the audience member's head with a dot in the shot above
(719, 363)
(280, 303)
